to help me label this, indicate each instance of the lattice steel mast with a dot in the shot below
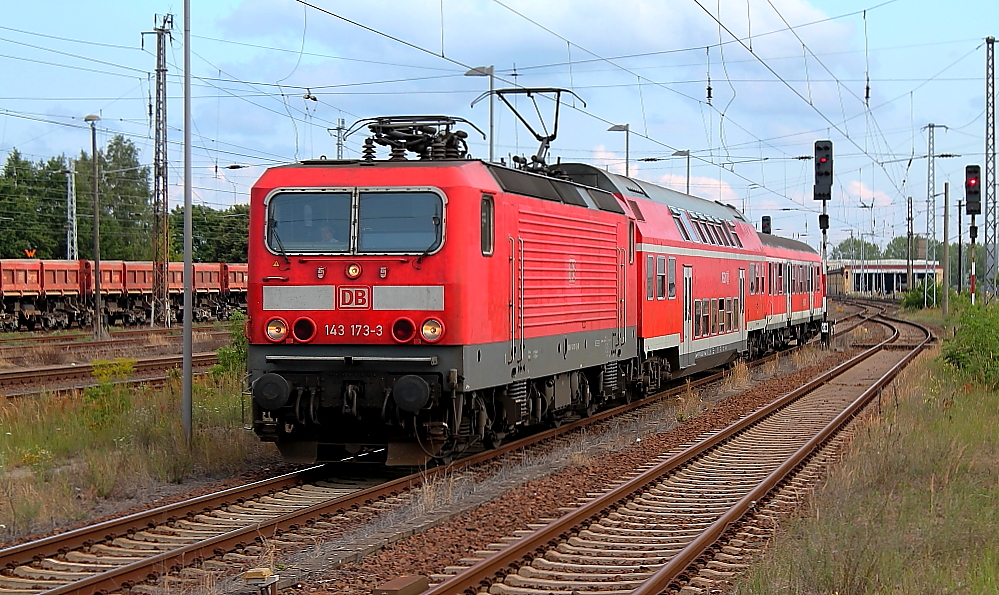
(160, 307)
(991, 223)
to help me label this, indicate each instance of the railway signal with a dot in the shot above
(973, 189)
(823, 170)
(766, 224)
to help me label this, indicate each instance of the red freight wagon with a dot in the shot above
(61, 278)
(21, 277)
(207, 277)
(112, 277)
(235, 277)
(139, 278)
(21, 286)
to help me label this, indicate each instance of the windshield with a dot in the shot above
(408, 222)
(309, 222)
(389, 221)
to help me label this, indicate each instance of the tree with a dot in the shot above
(896, 248)
(125, 202)
(217, 236)
(855, 249)
(33, 208)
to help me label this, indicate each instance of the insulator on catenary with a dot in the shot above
(368, 152)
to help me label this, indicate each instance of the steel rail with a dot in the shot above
(82, 337)
(483, 573)
(108, 530)
(695, 549)
(147, 364)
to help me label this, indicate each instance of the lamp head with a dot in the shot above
(92, 118)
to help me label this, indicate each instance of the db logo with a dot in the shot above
(354, 297)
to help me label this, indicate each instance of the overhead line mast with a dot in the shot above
(161, 202)
(991, 224)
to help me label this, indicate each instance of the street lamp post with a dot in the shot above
(99, 333)
(627, 132)
(487, 71)
(685, 153)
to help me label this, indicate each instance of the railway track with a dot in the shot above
(76, 377)
(60, 338)
(654, 531)
(220, 530)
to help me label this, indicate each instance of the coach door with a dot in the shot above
(788, 268)
(516, 304)
(688, 308)
(741, 307)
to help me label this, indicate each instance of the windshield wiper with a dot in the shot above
(437, 226)
(272, 226)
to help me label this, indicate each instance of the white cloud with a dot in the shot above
(863, 194)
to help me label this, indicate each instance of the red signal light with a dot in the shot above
(972, 181)
(823, 159)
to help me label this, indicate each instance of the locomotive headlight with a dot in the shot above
(353, 270)
(277, 329)
(432, 330)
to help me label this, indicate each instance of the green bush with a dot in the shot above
(974, 348)
(232, 357)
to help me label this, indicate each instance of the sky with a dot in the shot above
(271, 78)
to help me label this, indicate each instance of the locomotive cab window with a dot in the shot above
(309, 222)
(399, 222)
(391, 221)
(487, 225)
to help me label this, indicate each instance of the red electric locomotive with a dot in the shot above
(420, 307)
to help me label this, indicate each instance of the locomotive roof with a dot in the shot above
(786, 243)
(590, 175)
(580, 173)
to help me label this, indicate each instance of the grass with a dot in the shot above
(63, 458)
(912, 509)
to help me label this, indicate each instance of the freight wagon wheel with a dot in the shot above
(29, 324)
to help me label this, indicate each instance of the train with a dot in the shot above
(58, 294)
(409, 310)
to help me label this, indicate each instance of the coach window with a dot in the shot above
(735, 234)
(631, 242)
(728, 314)
(672, 279)
(721, 315)
(650, 276)
(714, 315)
(661, 278)
(735, 315)
(752, 279)
(697, 318)
(680, 227)
(487, 230)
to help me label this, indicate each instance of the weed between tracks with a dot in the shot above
(914, 506)
(64, 459)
